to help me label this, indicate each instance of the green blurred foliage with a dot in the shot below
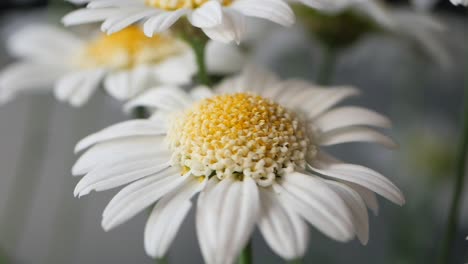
(336, 31)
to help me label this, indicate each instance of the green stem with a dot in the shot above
(246, 254)
(162, 260)
(140, 113)
(296, 261)
(327, 67)
(197, 40)
(199, 45)
(454, 214)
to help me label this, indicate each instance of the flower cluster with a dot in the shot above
(247, 146)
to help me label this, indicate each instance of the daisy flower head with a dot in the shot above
(221, 20)
(127, 63)
(252, 149)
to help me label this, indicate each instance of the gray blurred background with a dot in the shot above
(41, 221)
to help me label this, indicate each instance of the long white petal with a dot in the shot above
(354, 134)
(137, 196)
(208, 15)
(131, 128)
(284, 231)
(123, 148)
(166, 218)
(232, 27)
(83, 16)
(350, 116)
(168, 98)
(27, 77)
(365, 177)
(51, 44)
(108, 177)
(311, 198)
(162, 21)
(230, 211)
(274, 10)
(116, 23)
(325, 98)
(126, 84)
(357, 207)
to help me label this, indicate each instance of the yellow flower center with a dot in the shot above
(240, 135)
(128, 48)
(172, 5)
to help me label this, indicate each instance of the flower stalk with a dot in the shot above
(327, 67)
(454, 214)
(197, 40)
(246, 255)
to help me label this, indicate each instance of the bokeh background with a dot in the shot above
(41, 221)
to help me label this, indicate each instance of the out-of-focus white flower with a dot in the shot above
(424, 5)
(252, 148)
(221, 20)
(128, 62)
(330, 5)
(460, 2)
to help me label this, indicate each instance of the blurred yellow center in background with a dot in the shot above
(129, 48)
(239, 134)
(178, 4)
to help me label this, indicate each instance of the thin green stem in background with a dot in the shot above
(296, 261)
(454, 214)
(246, 254)
(327, 68)
(199, 45)
(163, 260)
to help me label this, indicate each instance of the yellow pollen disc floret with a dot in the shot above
(240, 135)
(128, 48)
(172, 5)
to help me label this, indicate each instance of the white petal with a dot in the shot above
(311, 198)
(50, 43)
(274, 10)
(129, 128)
(324, 98)
(200, 93)
(222, 58)
(118, 22)
(368, 196)
(83, 16)
(252, 79)
(114, 175)
(126, 84)
(77, 87)
(166, 218)
(162, 21)
(167, 98)
(137, 196)
(27, 77)
(115, 3)
(350, 116)
(208, 15)
(177, 70)
(205, 231)
(354, 134)
(357, 207)
(365, 177)
(231, 29)
(230, 211)
(123, 148)
(284, 231)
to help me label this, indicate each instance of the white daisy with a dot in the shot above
(221, 20)
(127, 63)
(252, 149)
